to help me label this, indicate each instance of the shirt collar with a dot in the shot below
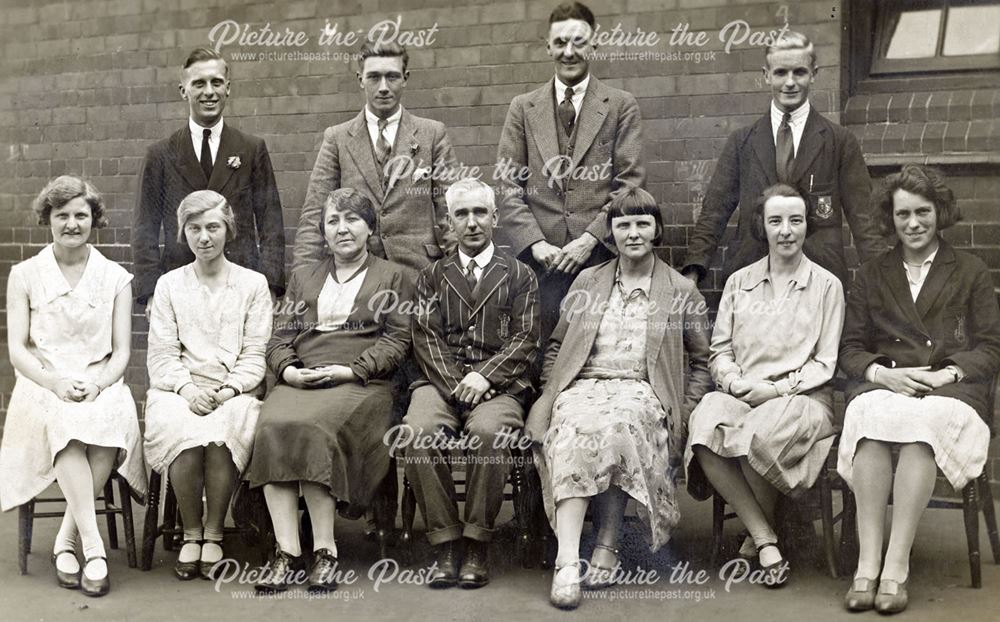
(799, 115)
(760, 271)
(482, 260)
(643, 287)
(579, 89)
(373, 119)
(930, 258)
(199, 131)
(332, 269)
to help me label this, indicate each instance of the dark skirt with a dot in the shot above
(329, 436)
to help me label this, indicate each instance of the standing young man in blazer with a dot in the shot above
(475, 338)
(207, 153)
(566, 149)
(793, 144)
(401, 161)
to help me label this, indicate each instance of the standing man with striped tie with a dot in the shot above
(796, 145)
(402, 162)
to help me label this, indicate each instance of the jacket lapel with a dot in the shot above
(762, 142)
(456, 280)
(938, 277)
(185, 161)
(899, 288)
(359, 146)
(542, 128)
(229, 145)
(493, 276)
(810, 145)
(661, 292)
(406, 134)
(592, 115)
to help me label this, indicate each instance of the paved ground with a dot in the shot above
(939, 585)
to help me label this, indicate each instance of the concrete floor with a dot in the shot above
(939, 585)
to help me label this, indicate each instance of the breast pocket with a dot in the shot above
(823, 203)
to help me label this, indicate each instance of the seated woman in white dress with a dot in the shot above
(208, 328)
(71, 417)
(617, 393)
(921, 345)
(768, 428)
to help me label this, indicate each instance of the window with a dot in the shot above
(936, 35)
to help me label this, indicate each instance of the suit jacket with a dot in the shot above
(955, 320)
(411, 211)
(677, 326)
(494, 333)
(171, 171)
(830, 172)
(553, 203)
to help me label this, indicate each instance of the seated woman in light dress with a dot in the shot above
(71, 417)
(338, 339)
(768, 427)
(617, 393)
(921, 346)
(209, 325)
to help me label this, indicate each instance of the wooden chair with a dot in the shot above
(27, 516)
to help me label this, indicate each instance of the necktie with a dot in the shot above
(206, 154)
(382, 146)
(784, 150)
(470, 276)
(567, 114)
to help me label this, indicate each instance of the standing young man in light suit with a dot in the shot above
(401, 161)
(793, 144)
(207, 153)
(566, 149)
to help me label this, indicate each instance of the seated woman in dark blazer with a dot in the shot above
(338, 337)
(624, 367)
(921, 345)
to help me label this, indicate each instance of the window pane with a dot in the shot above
(972, 30)
(915, 35)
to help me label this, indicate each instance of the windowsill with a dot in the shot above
(944, 159)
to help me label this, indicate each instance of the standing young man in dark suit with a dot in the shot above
(210, 154)
(400, 161)
(792, 144)
(475, 339)
(566, 149)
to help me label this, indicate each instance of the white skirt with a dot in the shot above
(952, 429)
(171, 428)
(39, 425)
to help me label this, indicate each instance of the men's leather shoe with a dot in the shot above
(95, 587)
(322, 576)
(68, 580)
(446, 558)
(278, 577)
(475, 570)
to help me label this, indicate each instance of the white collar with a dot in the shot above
(373, 119)
(578, 90)
(799, 115)
(199, 131)
(929, 260)
(482, 260)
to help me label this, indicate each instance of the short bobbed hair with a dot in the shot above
(757, 229)
(791, 40)
(923, 181)
(199, 202)
(348, 200)
(634, 201)
(64, 189)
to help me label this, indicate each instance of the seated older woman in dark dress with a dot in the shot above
(338, 337)
(921, 345)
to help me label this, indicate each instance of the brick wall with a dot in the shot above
(90, 84)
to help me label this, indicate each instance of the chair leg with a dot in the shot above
(990, 514)
(169, 516)
(31, 525)
(718, 517)
(826, 509)
(25, 516)
(109, 513)
(970, 508)
(151, 529)
(384, 507)
(848, 531)
(128, 526)
(409, 514)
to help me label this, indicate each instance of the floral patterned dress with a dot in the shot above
(609, 429)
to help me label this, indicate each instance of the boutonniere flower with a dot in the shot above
(422, 173)
(234, 162)
(414, 148)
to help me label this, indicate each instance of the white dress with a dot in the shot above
(70, 333)
(210, 339)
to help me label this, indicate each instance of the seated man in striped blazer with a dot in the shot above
(475, 338)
